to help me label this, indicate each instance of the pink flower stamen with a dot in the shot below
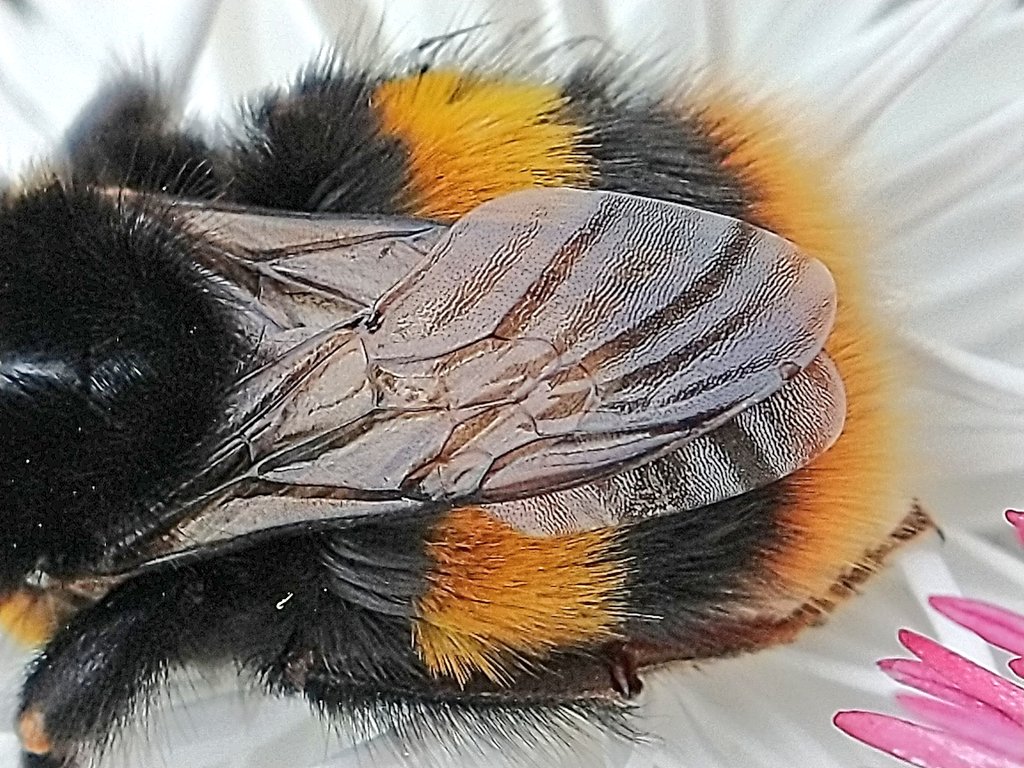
(979, 723)
(968, 677)
(971, 717)
(924, 747)
(998, 626)
(921, 677)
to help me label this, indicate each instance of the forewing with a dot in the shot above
(554, 337)
(580, 333)
(768, 441)
(303, 269)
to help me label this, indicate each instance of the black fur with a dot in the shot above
(43, 761)
(689, 568)
(114, 355)
(642, 146)
(274, 611)
(128, 135)
(318, 147)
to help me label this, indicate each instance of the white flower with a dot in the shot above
(924, 101)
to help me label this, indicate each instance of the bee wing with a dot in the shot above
(550, 339)
(769, 440)
(581, 333)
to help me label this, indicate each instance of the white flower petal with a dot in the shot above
(979, 68)
(875, 88)
(258, 45)
(928, 574)
(989, 567)
(955, 173)
(969, 299)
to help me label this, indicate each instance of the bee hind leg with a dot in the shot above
(624, 665)
(94, 673)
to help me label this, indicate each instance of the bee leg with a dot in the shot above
(274, 610)
(93, 674)
(624, 665)
(29, 760)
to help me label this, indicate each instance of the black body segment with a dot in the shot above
(318, 147)
(687, 566)
(115, 354)
(644, 145)
(130, 135)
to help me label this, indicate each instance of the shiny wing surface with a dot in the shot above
(550, 339)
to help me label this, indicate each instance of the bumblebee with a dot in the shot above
(443, 397)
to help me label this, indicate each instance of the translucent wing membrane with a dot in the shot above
(551, 339)
(586, 331)
(305, 269)
(769, 440)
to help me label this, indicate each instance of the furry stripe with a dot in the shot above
(847, 503)
(30, 617)
(498, 598)
(472, 138)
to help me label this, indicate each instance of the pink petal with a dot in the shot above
(967, 676)
(998, 626)
(916, 674)
(924, 747)
(1017, 665)
(980, 723)
(1016, 519)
